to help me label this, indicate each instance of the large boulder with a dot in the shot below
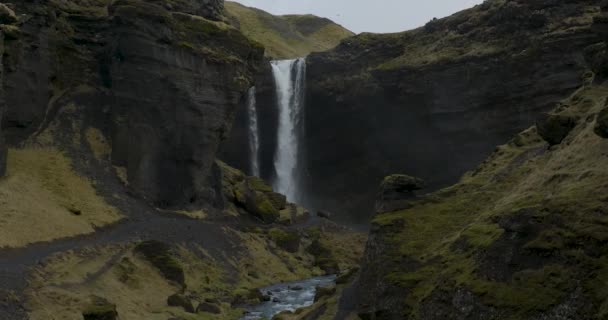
(252, 194)
(160, 256)
(601, 126)
(396, 192)
(207, 307)
(179, 300)
(554, 128)
(100, 309)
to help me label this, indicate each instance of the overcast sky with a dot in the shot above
(368, 15)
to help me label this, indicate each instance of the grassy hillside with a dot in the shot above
(286, 36)
(520, 233)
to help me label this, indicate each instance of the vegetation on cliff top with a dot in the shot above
(492, 28)
(545, 206)
(287, 36)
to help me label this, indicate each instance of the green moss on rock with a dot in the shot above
(160, 256)
(287, 240)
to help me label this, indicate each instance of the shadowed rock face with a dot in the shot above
(434, 102)
(161, 84)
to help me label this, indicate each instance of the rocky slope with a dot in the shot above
(523, 236)
(288, 36)
(435, 101)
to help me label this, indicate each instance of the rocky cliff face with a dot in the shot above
(520, 237)
(435, 101)
(160, 80)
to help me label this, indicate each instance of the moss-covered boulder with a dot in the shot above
(324, 292)
(179, 300)
(206, 307)
(100, 309)
(554, 128)
(251, 193)
(324, 258)
(601, 126)
(285, 239)
(160, 256)
(244, 296)
(396, 191)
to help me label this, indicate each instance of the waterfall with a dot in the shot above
(289, 76)
(254, 140)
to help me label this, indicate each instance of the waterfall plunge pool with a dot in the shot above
(288, 296)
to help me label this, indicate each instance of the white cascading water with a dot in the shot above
(289, 76)
(254, 140)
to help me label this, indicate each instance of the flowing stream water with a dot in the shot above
(254, 138)
(288, 296)
(289, 76)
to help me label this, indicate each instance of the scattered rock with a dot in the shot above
(295, 288)
(206, 307)
(276, 300)
(179, 300)
(100, 309)
(554, 128)
(322, 292)
(7, 15)
(601, 126)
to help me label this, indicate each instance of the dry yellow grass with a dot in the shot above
(42, 199)
(62, 290)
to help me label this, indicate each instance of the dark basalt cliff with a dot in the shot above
(160, 80)
(435, 101)
(523, 236)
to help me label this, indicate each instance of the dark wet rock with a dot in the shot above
(324, 214)
(296, 288)
(100, 309)
(160, 256)
(554, 128)
(323, 292)
(601, 126)
(206, 307)
(179, 300)
(347, 276)
(396, 192)
(7, 15)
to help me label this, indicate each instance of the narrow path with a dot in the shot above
(15, 264)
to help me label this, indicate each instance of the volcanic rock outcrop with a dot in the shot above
(435, 101)
(160, 81)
